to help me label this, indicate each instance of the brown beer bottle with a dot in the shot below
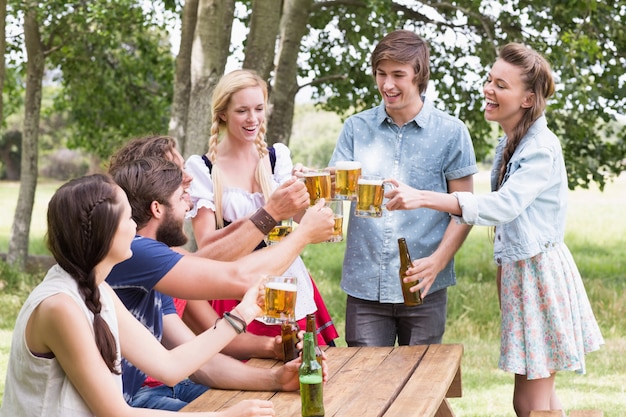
(311, 327)
(410, 298)
(289, 333)
(311, 380)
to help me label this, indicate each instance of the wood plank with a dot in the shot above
(444, 410)
(427, 387)
(379, 382)
(456, 388)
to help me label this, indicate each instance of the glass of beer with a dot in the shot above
(280, 299)
(280, 231)
(346, 176)
(337, 207)
(370, 192)
(318, 184)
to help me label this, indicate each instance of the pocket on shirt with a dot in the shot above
(426, 174)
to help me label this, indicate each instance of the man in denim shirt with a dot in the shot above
(414, 145)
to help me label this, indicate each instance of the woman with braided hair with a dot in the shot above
(547, 322)
(72, 329)
(236, 177)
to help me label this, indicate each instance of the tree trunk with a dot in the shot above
(261, 42)
(3, 49)
(208, 61)
(18, 243)
(293, 27)
(182, 75)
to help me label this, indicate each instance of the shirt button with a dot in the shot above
(499, 261)
(499, 239)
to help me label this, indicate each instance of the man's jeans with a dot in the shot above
(370, 323)
(163, 397)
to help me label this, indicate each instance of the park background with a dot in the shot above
(596, 235)
(81, 78)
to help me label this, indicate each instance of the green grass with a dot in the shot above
(596, 235)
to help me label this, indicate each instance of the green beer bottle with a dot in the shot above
(410, 298)
(311, 385)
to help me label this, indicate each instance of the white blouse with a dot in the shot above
(237, 203)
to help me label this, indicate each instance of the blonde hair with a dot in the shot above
(228, 85)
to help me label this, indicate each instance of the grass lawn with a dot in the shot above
(596, 235)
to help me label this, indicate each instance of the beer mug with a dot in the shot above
(337, 207)
(318, 184)
(346, 176)
(280, 231)
(370, 192)
(280, 299)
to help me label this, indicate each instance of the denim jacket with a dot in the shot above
(529, 209)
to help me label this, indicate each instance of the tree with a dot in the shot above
(114, 68)
(585, 42)
(116, 72)
(35, 50)
(209, 55)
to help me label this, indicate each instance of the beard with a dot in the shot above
(171, 231)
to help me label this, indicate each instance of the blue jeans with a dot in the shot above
(370, 323)
(163, 397)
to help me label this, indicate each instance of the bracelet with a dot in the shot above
(238, 324)
(263, 221)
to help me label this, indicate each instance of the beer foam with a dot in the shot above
(368, 181)
(284, 286)
(316, 173)
(347, 165)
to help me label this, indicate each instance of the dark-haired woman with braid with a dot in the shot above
(547, 322)
(72, 329)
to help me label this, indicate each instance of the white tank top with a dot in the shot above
(37, 386)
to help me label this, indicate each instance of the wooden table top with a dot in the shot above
(397, 381)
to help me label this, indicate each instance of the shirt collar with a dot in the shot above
(420, 119)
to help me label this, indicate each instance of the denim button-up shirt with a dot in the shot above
(424, 153)
(529, 209)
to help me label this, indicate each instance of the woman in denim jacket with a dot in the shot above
(547, 321)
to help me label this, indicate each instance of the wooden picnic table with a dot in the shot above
(400, 381)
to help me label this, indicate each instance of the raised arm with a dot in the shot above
(200, 316)
(197, 278)
(427, 269)
(242, 236)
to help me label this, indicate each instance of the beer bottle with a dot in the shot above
(289, 333)
(311, 381)
(311, 327)
(410, 298)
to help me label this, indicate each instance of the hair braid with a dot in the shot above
(83, 217)
(215, 171)
(262, 176)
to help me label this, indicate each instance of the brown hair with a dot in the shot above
(405, 47)
(156, 145)
(83, 217)
(537, 78)
(146, 180)
(228, 85)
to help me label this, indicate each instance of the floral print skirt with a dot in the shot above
(547, 321)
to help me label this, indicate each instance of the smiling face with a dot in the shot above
(245, 114)
(506, 96)
(396, 85)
